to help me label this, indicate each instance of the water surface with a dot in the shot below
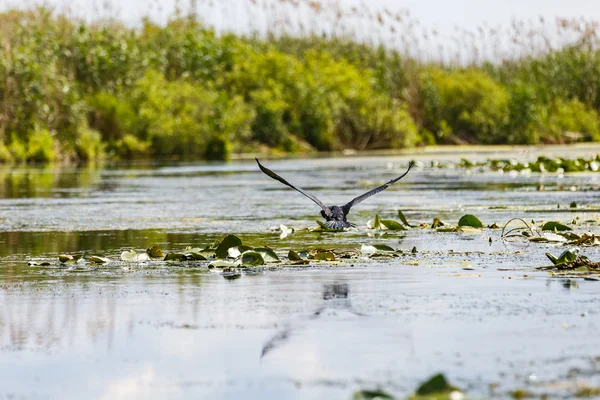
(474, 310)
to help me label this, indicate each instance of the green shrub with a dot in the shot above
(218, 148)
(111, 116)
(130, 146)
(570, 121)
(41, 147)
(17, 149)
(473, 105)
(5, 154)
(89, 146)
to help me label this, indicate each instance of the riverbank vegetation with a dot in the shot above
(81, 91)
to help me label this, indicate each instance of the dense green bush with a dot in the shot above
(77, 91)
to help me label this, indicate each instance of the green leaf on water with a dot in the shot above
(173, 257)
(437, 223)
(293, 256)
(437, 384)
(555, 226)
(228, 242)
(393, 225)
(372, 395)
(193, 256)
(324, 256)
(573, 204)
(374, 223)
(63, 258)
(99, 260)
(402, 218)
(223, 264)
(565, 257)
(252, 258)
(155, 252)
(470, 220)
(267, 254)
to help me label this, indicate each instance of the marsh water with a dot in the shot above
(466, 304)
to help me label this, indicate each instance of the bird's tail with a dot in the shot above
(333, 224)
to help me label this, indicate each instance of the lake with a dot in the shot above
(465, 304)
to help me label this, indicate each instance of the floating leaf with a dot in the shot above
(565, 257)
(437, 223)
(223, 264)
(228, 242)
(393, 225)
(66, 258)
(325, 256)
(155, 252)
(374, 249)
(293, 256)
(402, 218)
(470, 220)
(99, 260)
(372, 395)
(437, 384)
(555, 226)
(374, 223)
(172, 257)
(252, 258)
(267, 254)
(573, 204)
(193, 256)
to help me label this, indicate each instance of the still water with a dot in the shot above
(475, 310)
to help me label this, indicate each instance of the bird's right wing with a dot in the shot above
(346, 207)
(273, 175)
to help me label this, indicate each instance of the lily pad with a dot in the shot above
(555, 226)
(437, 384)
(372, 395)
(325, 256)
(393, 225)
(293, 256)
(98, 259)
(155, 252)
(267, 254)
(374, 223)
(172, 257)
(565, 257)
(402, 218)
(375, 249)
(228, 242)
(223, 264)
(133, 256)
(437, 223)
(470, 220)
(252, 258)
(64, 258)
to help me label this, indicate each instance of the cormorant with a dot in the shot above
(335, 216)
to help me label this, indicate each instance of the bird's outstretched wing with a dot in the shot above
(346, 207)
(273, 175)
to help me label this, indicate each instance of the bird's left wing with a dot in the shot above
(346, 207)
(273, 175)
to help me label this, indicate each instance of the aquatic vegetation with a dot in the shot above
(72, 90)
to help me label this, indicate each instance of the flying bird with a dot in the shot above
(335, 216)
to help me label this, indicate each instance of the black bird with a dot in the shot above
(335, 215)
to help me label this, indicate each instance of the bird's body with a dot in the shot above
(335, 216)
